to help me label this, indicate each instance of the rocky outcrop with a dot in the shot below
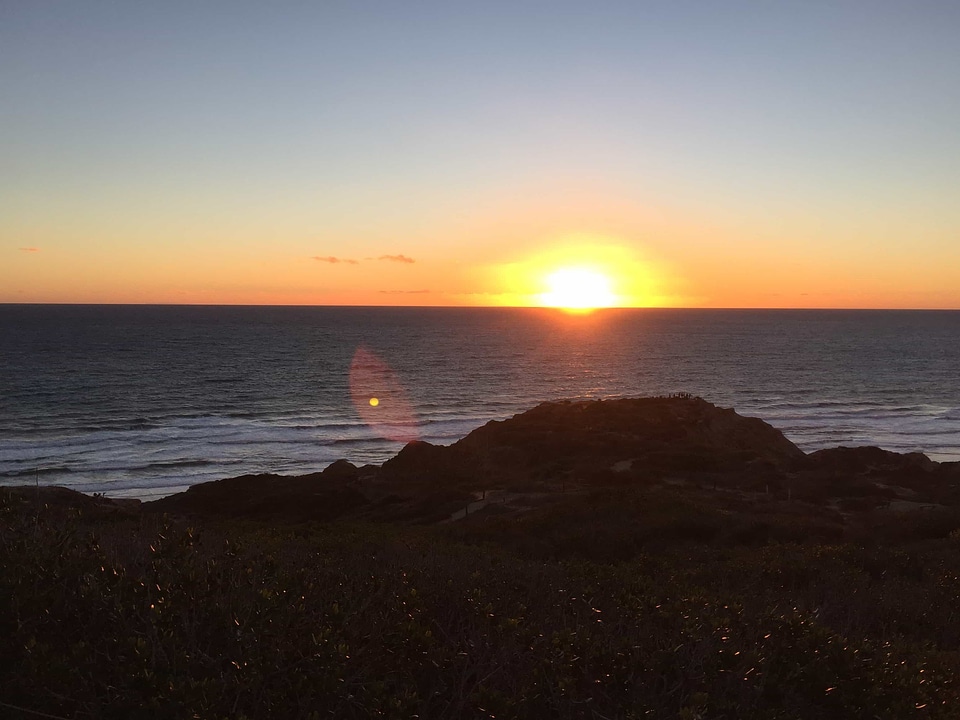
(581, 446)
(319, 496)
(59, 500)
(654, 437)
(870, 460)
(846, 471)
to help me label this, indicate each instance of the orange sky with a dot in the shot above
(795, 157)
(654, 256)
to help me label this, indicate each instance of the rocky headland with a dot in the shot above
(654, 557)
(562, 457)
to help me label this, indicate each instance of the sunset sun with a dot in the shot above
(578, 289)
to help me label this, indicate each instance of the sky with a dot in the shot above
(689, 154)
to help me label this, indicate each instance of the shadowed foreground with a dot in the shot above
(743, 583)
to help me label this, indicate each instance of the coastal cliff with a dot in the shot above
(558, 450)
(657, 557)
(646, 465)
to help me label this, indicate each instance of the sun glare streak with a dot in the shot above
(577, 289)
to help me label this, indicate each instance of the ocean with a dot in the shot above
(143, 401)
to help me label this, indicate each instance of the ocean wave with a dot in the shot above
(174, 464)
(98, 419)
(119, 425)
(32, 472)
(840, 409)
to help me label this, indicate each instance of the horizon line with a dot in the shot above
(482, 307)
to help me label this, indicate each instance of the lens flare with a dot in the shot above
(379, 398)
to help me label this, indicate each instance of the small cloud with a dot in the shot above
(30, 250)
(404, 292)
(397, 258)
(334, 260)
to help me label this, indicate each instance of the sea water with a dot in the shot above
(143, 401)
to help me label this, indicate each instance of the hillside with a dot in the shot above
(655, 558)
(564, 457)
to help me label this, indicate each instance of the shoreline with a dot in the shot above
(89, 483)
(658, 554)
(891, 478)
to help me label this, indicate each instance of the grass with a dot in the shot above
(149, 617)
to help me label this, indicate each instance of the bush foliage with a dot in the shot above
(147, 617)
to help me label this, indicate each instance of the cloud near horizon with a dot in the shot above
(29, 249)
(404, 292)
(333, 260)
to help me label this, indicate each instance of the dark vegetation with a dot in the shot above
(577, 591)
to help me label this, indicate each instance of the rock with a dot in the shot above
(342, 471)
(846, 471)
(420, 463)
(559, 447)
(318, 496)
(869, 460)
(60, 500)
(659, 436)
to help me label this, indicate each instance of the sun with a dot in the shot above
(577, 289)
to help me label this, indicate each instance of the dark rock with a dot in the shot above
(584, 439)
(318, 496)
(858, 471)
(572, 446)
(341, 470)
(60, 499)
(869, 460)
(421, 462)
